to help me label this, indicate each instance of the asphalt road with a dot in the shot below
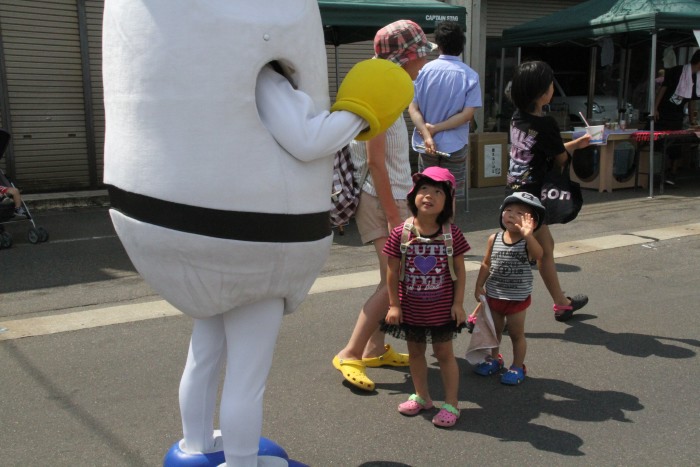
(616, 385)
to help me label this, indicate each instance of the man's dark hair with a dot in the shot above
(447, 211)
(695, 59)
(450, 38)
(531, 80)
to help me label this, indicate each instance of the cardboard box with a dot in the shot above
(489, 159)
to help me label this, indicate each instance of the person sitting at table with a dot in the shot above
(680, 86)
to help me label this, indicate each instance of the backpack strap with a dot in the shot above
(405, 235)
(446, 237)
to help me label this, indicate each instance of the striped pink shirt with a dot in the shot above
(427, 291)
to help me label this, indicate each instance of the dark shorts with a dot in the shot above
(508, 307)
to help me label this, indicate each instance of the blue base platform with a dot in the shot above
(176, 457)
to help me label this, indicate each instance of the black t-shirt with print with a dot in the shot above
(535, 141)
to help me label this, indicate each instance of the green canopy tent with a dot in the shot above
(346, 21)
(631, 21)
(585, 22)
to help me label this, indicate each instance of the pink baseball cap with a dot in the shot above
(437, 174)
(401, 41)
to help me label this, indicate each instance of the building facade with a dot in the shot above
(51, 82)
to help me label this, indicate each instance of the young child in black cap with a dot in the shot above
(505, 278)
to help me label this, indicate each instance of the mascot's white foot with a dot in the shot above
(270, 454)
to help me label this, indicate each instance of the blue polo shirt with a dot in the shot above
(443, 88)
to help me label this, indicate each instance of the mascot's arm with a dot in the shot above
(376, 90)
(291, 118)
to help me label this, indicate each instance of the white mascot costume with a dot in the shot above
(218, 159)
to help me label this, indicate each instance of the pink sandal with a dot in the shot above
(446, 417)
(414, 405)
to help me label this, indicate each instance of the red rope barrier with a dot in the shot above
(644, 136)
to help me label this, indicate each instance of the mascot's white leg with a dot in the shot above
(234, 334)
(251, 334)
(200, 384)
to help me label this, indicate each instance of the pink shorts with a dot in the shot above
(3, 189)
(508, 307)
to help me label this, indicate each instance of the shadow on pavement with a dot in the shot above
(507, 413)
(513, 420)
(624, 343)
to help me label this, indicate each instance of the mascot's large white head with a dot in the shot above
(179, 80)
(186, 153)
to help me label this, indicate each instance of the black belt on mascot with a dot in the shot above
(258, 227)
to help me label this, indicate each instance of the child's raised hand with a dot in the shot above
(526, 225)
(393, 316)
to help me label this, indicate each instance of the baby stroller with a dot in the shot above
(7, 207)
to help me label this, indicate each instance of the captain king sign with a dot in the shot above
(440, 18)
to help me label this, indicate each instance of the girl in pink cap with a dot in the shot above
(425, 278)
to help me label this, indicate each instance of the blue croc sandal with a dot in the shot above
(514, 375)
(490, 366)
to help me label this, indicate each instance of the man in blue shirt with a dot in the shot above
(447, 93)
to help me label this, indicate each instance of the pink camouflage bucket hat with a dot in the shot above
(437, 174)
(401, 41)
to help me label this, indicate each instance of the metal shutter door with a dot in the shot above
(93, 10)
(504, 14)
(44, 80)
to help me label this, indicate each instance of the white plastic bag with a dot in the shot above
(484, 336)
